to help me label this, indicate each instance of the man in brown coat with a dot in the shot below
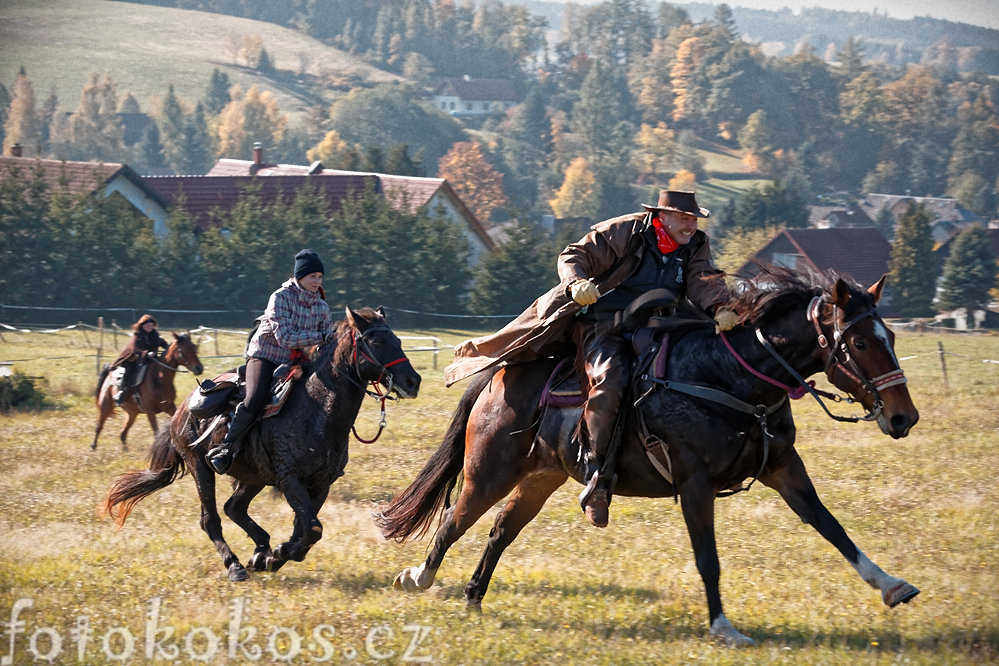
(599, 275)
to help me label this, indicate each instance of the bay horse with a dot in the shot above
(301, 450)
(719, 415)
(156, 394)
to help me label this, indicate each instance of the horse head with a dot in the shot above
(858, 352)
(183, 351)
(377, 354)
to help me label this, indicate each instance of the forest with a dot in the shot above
(629, 98)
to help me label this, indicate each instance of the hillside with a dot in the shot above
(143, 48)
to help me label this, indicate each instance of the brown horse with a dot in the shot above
(715, 415)
(156, 393)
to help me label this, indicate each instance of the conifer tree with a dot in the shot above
(969, 273)
(912, 269)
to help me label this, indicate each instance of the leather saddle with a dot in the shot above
(220, 394)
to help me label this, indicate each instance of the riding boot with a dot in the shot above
(595, 498)
(222, 456)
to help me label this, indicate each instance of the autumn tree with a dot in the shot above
(655, 150)
(969, 273)
(96, 131)
(579, 195)
(912, 268)
(334, 152)
(22, 124)
(250, 117)
(478, 184)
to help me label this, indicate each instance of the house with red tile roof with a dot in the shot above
(860, 252)
(224, 182)
(92, 178)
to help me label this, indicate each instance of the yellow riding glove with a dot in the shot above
(583, 292)
(725, 320)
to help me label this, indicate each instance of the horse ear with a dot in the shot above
(841, 293)
(351, 316)
(381, 311)
(175, 336)
(876, 288)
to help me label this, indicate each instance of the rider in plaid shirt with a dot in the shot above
(297, 317)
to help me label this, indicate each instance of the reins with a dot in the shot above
(376, 394)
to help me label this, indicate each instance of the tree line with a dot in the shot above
(64, 250)
(619, 107)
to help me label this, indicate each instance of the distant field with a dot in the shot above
(60, 43)
(924, 508)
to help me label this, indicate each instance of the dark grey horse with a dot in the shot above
(302, 450)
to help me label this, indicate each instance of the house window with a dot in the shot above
(452, 106)
(468, 106)
(787, 260)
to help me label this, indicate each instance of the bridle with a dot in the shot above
(362, 352)
(838, 359)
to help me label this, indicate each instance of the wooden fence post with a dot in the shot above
(943, 363)
(100, 342)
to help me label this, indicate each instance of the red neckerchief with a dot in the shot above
(663, 240)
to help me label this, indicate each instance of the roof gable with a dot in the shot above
(860, 252)
(469, 89)
(201, 196)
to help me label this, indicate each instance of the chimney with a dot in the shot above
(258, 158)
(16, 150)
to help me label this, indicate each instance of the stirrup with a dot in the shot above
(591, 486)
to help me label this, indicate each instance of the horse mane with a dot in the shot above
(344, 332)
(774, 290)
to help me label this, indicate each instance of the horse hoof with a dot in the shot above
(259, 560)
(237, 573)
(900, 593)
(93, 447)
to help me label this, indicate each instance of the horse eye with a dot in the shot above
(859, 344)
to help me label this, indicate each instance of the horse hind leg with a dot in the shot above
(236, 508)
(211, 522)
(523, 506)
(105, 405)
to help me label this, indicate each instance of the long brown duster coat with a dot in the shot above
(608, 254)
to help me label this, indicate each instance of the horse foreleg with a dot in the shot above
(211, 522)
(524, 504)
(152, 422)
(307, 531)
(697, 499)
(792, 482)
(236, 508)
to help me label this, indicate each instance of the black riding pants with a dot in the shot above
(606, 359)
(259, 373)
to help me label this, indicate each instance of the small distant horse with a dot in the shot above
(301, 450)
(717, 415)
(156, 393)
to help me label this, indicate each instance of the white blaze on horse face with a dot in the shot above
(881, 333)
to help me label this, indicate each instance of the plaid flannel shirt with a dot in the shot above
(294, 319)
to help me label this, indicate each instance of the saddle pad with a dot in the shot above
(562, 389)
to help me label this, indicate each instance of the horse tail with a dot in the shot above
(165, 467)
(412, 511)
(100, 380)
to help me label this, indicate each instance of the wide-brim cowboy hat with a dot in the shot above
(679, 201)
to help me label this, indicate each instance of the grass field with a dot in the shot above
(144, 49)
(924, 508)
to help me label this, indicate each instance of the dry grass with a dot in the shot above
(924, 508)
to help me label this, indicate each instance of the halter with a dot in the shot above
(362, 350)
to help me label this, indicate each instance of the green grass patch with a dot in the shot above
(923, 507)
